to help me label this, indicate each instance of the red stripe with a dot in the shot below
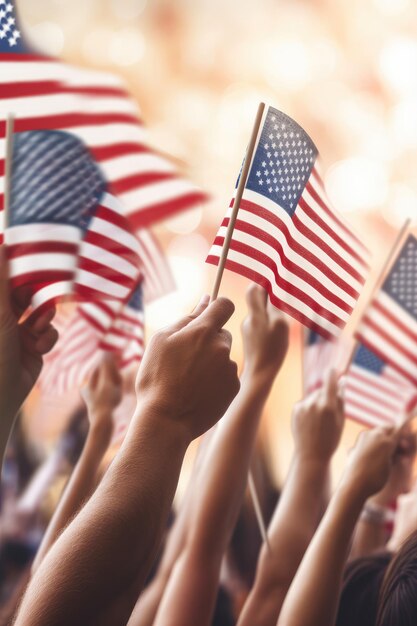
(295, 269)
(393, 342)
(313, 215)
(55, 87)
(104, 153)
(161, 210)
(279, 304)
(41, 278)
(376, 382)
(113, 217)
(92, 320)
(137, 181)
(385, 358)
(305, 253)
(71, 120)
(38, 247)
(133, 359)
(19, 57)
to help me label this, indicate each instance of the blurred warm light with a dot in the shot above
(126, 47)
(392, 7)
(286, 63)
(404, 124)
(398, 64)
(402, 204)
(357, 184)
(96, 43)
(48, 37)
(185, 223)
(128, 9)
(186, 256)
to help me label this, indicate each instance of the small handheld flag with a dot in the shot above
(287, 237)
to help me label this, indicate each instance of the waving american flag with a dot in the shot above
(288, 237)
(320, 355)
(47, 94)
(389, 326)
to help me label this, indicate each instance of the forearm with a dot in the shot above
(80, 487)
(191, 591)
(314, 594)
(290, 532)
(118, 530)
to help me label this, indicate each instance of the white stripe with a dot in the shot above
(99, 136)
(286, 297)
(97, 313)
(156, 193)
(49, 292)
(33, 233)
(62, 104)
(43, 261)
(31, 71)
(284, 273)
(397, 312)
(130, 165)
(105, 228)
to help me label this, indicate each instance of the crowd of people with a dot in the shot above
(115, 552)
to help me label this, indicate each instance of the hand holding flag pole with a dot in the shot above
(219, 276)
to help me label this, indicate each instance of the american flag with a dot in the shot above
(66, 235)
(389, 326)
(320, 355)
(95, 329)
(375, 394)
(47, 94)
(288, 237)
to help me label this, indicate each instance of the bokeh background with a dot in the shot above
(345, 70)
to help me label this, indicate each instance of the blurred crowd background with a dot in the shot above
(346, 71)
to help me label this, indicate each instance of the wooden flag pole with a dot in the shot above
(8, 170)
(219, 276)
(258, 511)
(380, 278)
(236, 203)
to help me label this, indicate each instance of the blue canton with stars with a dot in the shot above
(10, 36)
(367, 360)
(54, 180)
(401, 284)
(283, 161)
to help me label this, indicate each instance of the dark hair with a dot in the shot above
(398, 598)
(362, 581)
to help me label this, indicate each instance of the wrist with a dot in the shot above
(153, 413)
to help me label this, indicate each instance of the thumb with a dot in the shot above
(216, 314)
(197, 311)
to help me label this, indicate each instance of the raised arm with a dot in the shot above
(314, 595)
(148, 602)
(102, 395)
(191, 592)
(317, 427)
(185, 383)
(22, 346)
